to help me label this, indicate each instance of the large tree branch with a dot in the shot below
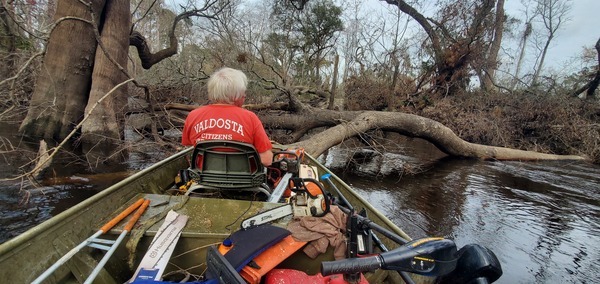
(415, 126)
(422, 20)
(148, 58)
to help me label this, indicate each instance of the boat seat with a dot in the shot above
(227, 165)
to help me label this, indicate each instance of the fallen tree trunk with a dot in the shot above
(416, 126)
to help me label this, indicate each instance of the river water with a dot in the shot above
(541, 219)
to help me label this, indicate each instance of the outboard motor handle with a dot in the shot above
(351, 265)
(428, 256)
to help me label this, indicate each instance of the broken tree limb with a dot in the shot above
(416, 126)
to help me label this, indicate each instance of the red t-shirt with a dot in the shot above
(225, 122)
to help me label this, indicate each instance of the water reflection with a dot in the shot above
(19, 214)
(541, 219)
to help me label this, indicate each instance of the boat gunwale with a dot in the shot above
(364, 202)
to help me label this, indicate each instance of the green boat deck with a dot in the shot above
(207, 217)
(210, 222)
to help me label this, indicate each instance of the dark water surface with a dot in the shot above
(22, 208)
(26, 203)
(540, 219)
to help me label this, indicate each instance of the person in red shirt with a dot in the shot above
(224, 118)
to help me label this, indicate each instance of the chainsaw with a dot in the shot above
(307, 199)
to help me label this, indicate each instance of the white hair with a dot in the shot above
(226, 85)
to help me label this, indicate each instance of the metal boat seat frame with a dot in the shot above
(228, 166)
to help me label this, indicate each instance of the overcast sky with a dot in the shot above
(583, 29)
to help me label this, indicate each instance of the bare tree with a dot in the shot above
(454, 46)
(492, 57)
(334, 84)
(350, 36)
(522, 47)
(553, 14)
(22, 25)
(8, 41)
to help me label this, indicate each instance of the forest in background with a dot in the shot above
(466, 64)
